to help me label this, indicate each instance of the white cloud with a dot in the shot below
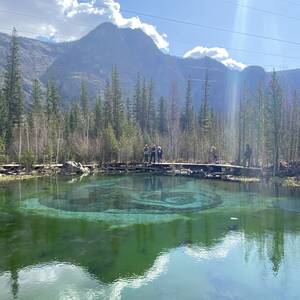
(110, 10)
(72, 8)
(219, 54)
(233, 64)
(135, 23)
(65, 20)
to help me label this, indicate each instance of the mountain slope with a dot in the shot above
(131, 51)
(35, 56)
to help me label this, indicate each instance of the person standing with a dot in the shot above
(213, 154)
(247, 156)
(153, 154)
(146, 154)
(159, 154)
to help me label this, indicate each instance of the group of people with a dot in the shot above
(153, 154)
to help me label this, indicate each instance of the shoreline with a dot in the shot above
(21, 177)
(287, 182)
(77, 169)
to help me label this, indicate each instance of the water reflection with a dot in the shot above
(263, 237)
(216, 272)
(64, 281)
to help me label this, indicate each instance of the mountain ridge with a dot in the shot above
(92, 57)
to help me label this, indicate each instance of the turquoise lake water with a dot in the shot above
(148, 237)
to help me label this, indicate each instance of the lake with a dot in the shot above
(148, 237)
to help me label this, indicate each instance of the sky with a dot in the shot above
(181, 28)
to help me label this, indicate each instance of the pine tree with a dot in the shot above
(162, 117)
(3, 117)
(48, 109)
(144, 107)
(242, 123)
(111, 144)
(74, 118)
(129, 110)
(13, 91)
(54, 119)
(36, 104)
(108, 105)
(137, 101)
(259, 124)
(151, 114)
(188, 115)
(274, 114)
(293, 128)
(36, 114)
(117, 102)
(84, 101)
(174, 121)
(52, 101)
(204, 114)
(98, 117)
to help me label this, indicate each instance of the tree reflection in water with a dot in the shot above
(269, 231)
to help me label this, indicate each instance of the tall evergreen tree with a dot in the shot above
(35, 115)
(3, 117)
(74, 118)
(13, 90)
(36, 102)
(188, 115)
(259, 124)
(274, 114)
(204, 114)
(52, 101)
(162, 117)
(151, 114)
(129, 110)
(144, 107)
(293, 128)
(84, 101)
(108, 105)
(117, 102)
(98, 115)
(137, 101)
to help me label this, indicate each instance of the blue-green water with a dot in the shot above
(148, 237)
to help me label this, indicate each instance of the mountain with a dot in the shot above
(36, 56)
(92, 57)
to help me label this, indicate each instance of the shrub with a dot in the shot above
(27, 160)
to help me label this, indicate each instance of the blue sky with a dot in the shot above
(225, 14)
(64, 20)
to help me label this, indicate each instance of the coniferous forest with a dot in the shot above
(115, 127)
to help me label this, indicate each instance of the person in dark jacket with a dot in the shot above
(153, 154)
(159, 154)
(213, 155)
(146, 154)
(248, 156)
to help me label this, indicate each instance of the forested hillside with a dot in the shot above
(114, 127)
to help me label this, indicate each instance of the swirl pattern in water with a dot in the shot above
(124, 200)
(131, 195)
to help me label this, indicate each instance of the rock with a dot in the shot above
(2, 171)
(186, 172)
(72, 167)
